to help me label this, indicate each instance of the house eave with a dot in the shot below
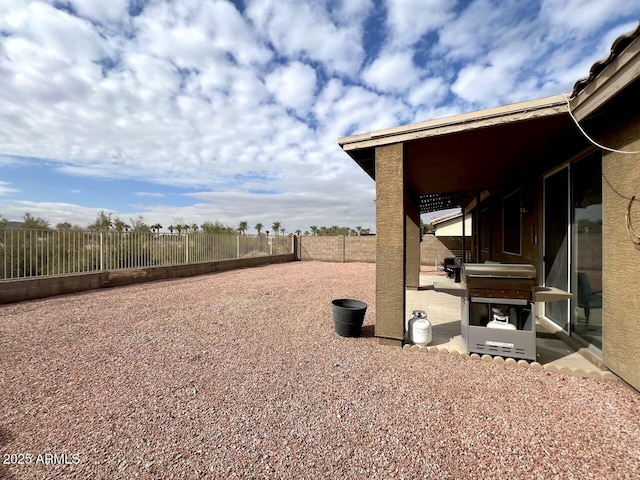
(542, 107)
(617, 75)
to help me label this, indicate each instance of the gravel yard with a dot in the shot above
(240, 375)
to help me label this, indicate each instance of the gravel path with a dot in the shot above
(240, 375)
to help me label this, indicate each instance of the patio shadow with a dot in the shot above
(368, 331)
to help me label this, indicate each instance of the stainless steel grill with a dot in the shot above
(498, 316)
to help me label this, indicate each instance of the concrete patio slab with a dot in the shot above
(445, 313)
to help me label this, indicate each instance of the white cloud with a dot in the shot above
(5, 189)
(343, 109)
(100, 11)
(483, 84)
(580, 18)
(150, 194)
(305, 30)
(409, 20)
(392, 72)
(430, 91)
(53, 212)
(293, 85)
(53, 30)
(193, 33)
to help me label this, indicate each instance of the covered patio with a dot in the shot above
(554, 353)
(455, 162)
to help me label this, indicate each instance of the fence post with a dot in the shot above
(343, 248)
(186, 237)
(101, 253)
(237, 246)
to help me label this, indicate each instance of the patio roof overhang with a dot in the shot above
(449, 161)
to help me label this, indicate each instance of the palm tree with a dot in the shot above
(156, 227)
(283, 231)
(314, 229)
(179, 228)
(298, 232)
(171, 228)
(242, 227)
(259, 227)
(194, 227)
(276, 227)
(359, 230)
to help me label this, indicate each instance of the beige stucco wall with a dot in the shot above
(453, 227)
(390, 245)
(412, 244)
(621, 257)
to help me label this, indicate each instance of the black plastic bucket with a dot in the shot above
(348, 316)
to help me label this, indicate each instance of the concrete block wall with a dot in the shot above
(433, 250)
(360, 249)
(18, 290)
(363, 249)
(323, 248)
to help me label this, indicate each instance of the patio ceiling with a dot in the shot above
(448, 161)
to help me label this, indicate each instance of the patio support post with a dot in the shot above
(390, 244)
(412, 245)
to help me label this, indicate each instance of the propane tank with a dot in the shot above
(419, 328)
(500, 320)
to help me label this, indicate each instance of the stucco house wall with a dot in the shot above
(621, 257)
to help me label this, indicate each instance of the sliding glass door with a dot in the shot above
(573, 247)
(586, 323)
(556, 244)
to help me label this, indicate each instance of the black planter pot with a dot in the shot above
(348, 316)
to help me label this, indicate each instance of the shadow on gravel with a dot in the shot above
(5, 437)
(367, 331)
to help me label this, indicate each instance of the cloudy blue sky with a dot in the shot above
(194, 110)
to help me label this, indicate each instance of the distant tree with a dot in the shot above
(156, 227)
(120, 225)
(306, 232)
(64, 226)
(138, 225)
(358, 229)
(283, 231)
(365, 231)
(298, 232)
(3, 222)
(102, 223)
(29, 222)
(276, 227)
(242, 227)
(194, 227)
(314, 229)
(426, 227)
(216, 227)
(259, 227)
(178, 227)
(353, 232)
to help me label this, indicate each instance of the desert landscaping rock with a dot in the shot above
(241, 375)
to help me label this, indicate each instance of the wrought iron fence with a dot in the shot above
(35, 253)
